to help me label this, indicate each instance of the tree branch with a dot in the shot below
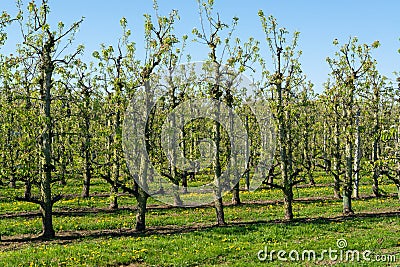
(34, 200)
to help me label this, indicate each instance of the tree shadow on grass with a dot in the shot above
(81, 212)
(11, 243)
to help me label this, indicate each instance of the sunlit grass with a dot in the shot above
(228, 246)
(87, 219)
(251, 226)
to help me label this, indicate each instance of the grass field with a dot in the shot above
(89, 234)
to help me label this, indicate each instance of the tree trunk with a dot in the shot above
(287, 168)
(192, 175)
(116, 162)
(185, 154)
(247, 173)
(219, 207)
(375, 185)
(357, 157)
(288, 203)
(236, 195)
(184, 182)
(47, 220)
(284, 157)
(62, 159)
(46, 144)
(62, 181)
(45, 190)
(247, 180)
(233, 172)
(141, 198)
(142, 187)
(13, 183)
(177, 198)
(117, 140)
(270, 175)
(347, 203)
(113, 202)
(376, 172)
(348, 129)
(287, 186)
(28, 189)
(336, 159)
(336, 186)
(324, 148)
(347, 188)
(174, 146)
(114, 198)
(87, 176)
(310, 177)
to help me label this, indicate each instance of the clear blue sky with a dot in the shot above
(319, 21)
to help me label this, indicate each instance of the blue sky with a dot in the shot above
(318, 21)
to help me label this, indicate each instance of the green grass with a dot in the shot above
(227, 246)
(91, 235)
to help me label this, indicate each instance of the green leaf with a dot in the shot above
(60, 25)
(376, 44)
